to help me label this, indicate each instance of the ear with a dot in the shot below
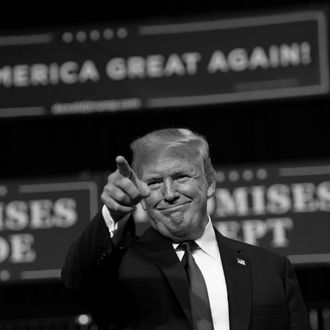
(211, 189)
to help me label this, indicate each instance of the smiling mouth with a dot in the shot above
(174, 207)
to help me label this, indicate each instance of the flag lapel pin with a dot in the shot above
(241, 261)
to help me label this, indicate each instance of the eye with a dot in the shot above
(182, 178)
(154, 184)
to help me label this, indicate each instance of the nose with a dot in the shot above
(169, 190)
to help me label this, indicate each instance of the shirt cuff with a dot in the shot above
(110, 223)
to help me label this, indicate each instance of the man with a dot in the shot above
(181, 273)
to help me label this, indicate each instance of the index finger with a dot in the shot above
(123, 167)
(125, 170)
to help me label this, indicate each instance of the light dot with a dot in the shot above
(3, 190)
(4, 275)
(94, 35)
(83, 319)
(220, 176)
(67, 37)
(81, 36)
(122, 33)
(108, 34)
(233, 176)
(261, 173)
(247, 175)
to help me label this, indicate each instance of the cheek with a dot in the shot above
(193, 189)
(151, 201)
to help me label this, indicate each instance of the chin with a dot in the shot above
(182, 233)
(173, 232)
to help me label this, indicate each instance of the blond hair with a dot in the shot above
(172, 137)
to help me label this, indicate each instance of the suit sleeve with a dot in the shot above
(90, 269)
(298, 316)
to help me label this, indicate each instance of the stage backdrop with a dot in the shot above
(206, 60)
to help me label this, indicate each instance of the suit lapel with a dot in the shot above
(161, 251)
(238, 279)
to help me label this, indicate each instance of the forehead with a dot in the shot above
(174, 158)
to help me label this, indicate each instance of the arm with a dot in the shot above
(90, 268)
(87, 257)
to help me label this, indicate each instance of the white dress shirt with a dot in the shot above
(208, 260)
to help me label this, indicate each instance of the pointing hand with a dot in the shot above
(123, 191)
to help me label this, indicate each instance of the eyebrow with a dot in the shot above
(156, 176)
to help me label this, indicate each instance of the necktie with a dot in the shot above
(199, 300)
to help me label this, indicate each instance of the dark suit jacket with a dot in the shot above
(142, 285)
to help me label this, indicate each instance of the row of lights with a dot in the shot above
(94, 35)
(246, 175)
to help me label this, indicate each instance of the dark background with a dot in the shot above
(19, 14)
(250, 132)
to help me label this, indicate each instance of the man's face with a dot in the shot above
(177, 204)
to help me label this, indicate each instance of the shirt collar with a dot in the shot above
(207, 242)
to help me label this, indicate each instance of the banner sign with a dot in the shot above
(92, 69)
(38, 223)
(284, 208)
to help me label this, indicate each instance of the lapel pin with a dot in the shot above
(241, 261)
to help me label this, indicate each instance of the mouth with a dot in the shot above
(174, 207)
